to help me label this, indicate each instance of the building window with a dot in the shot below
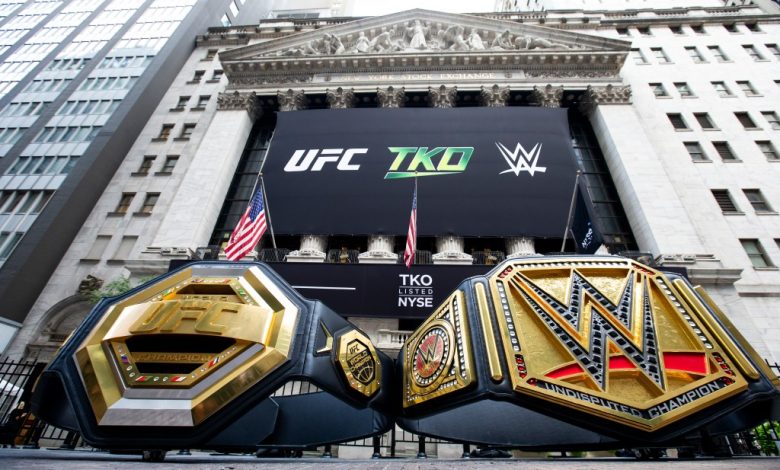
(216, 75)
(181, 103)
(731, 27)
(197, 76)
(756, 253)
(696, 152)
(676, 30)
(225, 21)
(203, 100)
(125, 247)
(722, 89)
(747, 88)
(165, 132)
(718, 53)
(771, 118)
(683, 89)
(774, 50)
(745, 119)
(698, 29)
(186, 131)
(644, 31)
(210, 54)
(724, 151)
(660, 55)
(98, 247)
(170, 164)
(677, 121)
(695, 55)
(767, 149)
(658, 90)
(639, 58)
(704, 120)
(622, 31)
(753, 27)
(723, 198)
(149, 202)
(8, 242)
(757, 200)
(146, 165)
(752, 52)
(124, 203)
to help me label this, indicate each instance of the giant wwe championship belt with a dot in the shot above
(588, 352)
(217, 356)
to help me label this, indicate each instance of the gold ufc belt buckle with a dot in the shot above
(183, 347)
(614, 339)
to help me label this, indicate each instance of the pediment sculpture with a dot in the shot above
(418, 36)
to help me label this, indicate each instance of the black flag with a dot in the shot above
(586, 234)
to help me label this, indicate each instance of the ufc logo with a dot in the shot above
(315, 159)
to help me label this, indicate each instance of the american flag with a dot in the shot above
(249, 229)
(411, 235)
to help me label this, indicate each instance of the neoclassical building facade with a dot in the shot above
(673, 115)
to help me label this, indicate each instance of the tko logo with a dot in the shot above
(420, 161)
(315, 159)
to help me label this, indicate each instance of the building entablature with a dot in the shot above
(424, 47)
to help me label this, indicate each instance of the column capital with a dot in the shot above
(494, 97)
(548, 96)
(610, 94)
(442, 97)
(291, 100)
(340, 98)
(391, 97)
(237, 101)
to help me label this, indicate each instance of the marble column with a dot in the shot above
(494, 97)
(291, 100)
(380, 250)
(390, 97)
(340, 98)
(547, 96)
(449, 250)
(442, 97)
(520, 246)
(312, 250)
(190, 220)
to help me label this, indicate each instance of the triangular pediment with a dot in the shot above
(423, 39)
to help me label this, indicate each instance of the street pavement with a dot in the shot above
(38, 459)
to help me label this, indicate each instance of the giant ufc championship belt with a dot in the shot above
(217, 356)
(580, 352)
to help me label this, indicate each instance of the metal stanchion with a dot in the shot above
(326, 454)
(421, 448)
(377, 453)
(466, 451)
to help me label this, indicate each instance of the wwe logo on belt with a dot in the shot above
(520, 160)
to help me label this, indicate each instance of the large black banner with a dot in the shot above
(480, 171)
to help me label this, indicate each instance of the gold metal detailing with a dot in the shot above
(724, 319)
(487, 331)
(437, 357)
(612, 338)
(232, 326)
(328, 340)
(360, 362)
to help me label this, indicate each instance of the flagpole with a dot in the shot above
(267, 211)
(571, 210)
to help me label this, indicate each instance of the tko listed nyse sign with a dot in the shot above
(415, 290)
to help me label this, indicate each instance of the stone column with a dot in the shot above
(312, 250)
(390, 97)
(340, 98)
(291, 100)
(380, 250)
(494, 97)
(520, 246)
(548, 96)
(190, 220)
(442, 97)
(449, 250)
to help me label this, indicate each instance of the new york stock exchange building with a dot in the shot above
(648, 133)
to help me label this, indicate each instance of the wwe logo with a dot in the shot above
(520, 160)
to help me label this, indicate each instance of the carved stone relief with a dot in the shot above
(391, 97)
(237, 101)
(442, 97)
(417, 36)
(494, 96)
(547, 97)
(340, 98)
(291, 100)
(594, 96)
